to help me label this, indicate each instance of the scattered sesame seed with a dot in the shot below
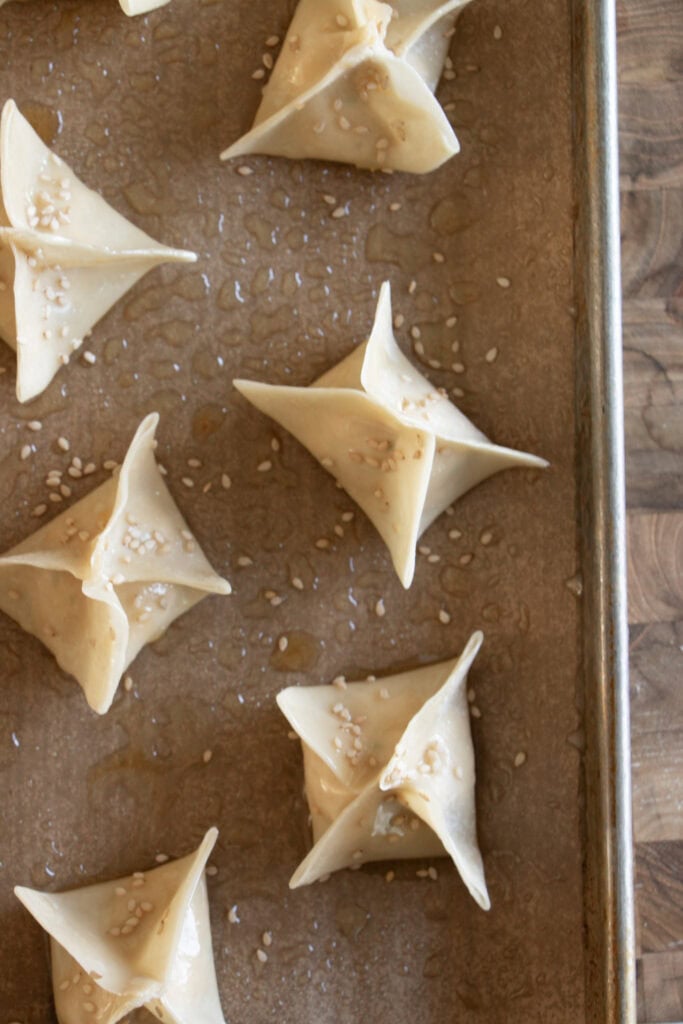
(245, 171)
(194, 463)
(452, 321)
(89, 357)
(497, 32)
(25, 452)
(63, 444)
(339, 212)
(187, 481)
(275, 444)
(34, 425)
(347, 517)
(476, 713)
(520, 759)
(297, 583)
(39, 511)
(206, 756)
(433, 873)
(491, 355)
(226, 482)
(322, 543)
(390, 876)
(261, 956)
(259, 73)
(503, 282)
(233, 915)
(466, 559)
(283, 643)
(161, 858)
(265, 466)
(454, 534)
(438, 257)
(244, 561)
(272, 41)
(395, 207)
(128, 683)
(380, 609)
(330, 200)
(444, 617)
(267, 939)
(486, 538)
(211, 871)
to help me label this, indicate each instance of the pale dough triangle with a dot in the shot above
(398, 447)
(389, 770)
(102, 958)
(355, 83)
(108, 575)
(65, 255)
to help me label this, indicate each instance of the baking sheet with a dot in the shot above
(141, 109)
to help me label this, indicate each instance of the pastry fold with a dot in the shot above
(140, 941)
(395, 443)
(108, 575)
(355, 82)
(389, 770)
(65, 255)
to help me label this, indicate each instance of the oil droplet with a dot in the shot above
(44, 120)
(351, 920)
(301, 654)
(206, 421)
(452, 215)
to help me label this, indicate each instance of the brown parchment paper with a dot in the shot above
(141, 108)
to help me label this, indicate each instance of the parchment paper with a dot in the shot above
(141, 109)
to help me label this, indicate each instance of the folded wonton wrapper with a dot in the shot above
(131, 7)
(65, 255)
(401, 450)
(108, 575)
(355, 83)
(144, 940)
(389, 770)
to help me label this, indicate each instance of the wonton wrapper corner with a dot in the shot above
(354, 82)
(65, 255)
(389, 770)
(108, 575)
(131, 7)
(397, 446)
(143, 940)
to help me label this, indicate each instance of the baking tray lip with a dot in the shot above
(606, 637)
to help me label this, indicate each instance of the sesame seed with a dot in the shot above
(212, 871)
(275, 444)
(503, 282)
(491, 355)
(497, 32)
(245, 171)
(272, 41)
(259, 73)
(244, 561)
(347, 517)
(206, 756)
(128, 684)
(261, 956)
(63, 444)
(486, 538)
(226, 482)
(433, 873)
(380, 609)
(265, 466)
(267, 59)
(438, 257)
(233, 915)
(283, 643)
(187, 481)
(412, 287)
(39, 511)
(161, 858)
(89, 357)
(394, 207)
(297, 583)
(520, 759)
(267, 939)
(25, 452)
(34, 425)
(454, 534)
(330, 200)
(452, 321)
(322, 543)
(444, 617)
(399, 320)
(339, 212)
(466, 559)
(476, 713)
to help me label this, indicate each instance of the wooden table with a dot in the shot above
(651, 124)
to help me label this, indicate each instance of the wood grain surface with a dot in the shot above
(651, 139)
